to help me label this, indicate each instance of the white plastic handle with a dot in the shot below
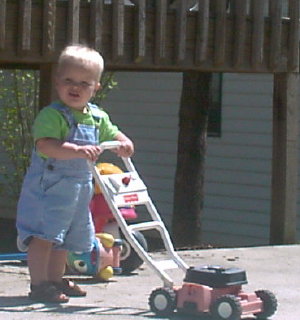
(110, 145)
(106, 145)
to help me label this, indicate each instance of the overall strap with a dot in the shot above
(96, 113)
(67, 114)
(71, 121)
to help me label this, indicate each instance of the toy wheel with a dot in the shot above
(129, 259)
(226, 307)
(269, 303)
(162, 301)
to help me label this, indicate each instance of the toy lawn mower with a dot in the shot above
(214, 291)
(206, 290)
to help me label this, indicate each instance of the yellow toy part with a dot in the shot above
(106, 239)
(106, 273)
(106, 168)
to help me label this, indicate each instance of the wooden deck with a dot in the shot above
(244, 36)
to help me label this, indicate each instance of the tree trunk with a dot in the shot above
(192, 140)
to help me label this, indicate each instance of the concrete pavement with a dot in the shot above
(275, 268)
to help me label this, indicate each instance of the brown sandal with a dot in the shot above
(70, 288)
(47, 292)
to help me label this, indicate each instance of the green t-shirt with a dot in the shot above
(50, 123)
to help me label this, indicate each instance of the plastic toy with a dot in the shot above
(206, 290)
(104, 220)
(215, 291)
(102, 262)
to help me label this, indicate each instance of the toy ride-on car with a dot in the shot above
(102, 262)
(104, 221)
(214, 291)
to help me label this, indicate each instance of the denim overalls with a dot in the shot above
(55, 196)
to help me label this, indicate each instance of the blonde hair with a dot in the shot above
(81, 56)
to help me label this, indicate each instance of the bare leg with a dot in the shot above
(57, 265)
(38, 259)
(56, 270)
(39, 262)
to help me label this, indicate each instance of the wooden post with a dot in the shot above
(47, 90)
(181, 25)
(160, 31)
(220, 33)
(25, 15)
(2, 24)
(73, 21)
(140, 32)
(293, 41)
(258, 31)
(96, 11)
(118, 32)
(240, 16)
(276, 30)
(285, 159)
(202, 33)
(49, 16)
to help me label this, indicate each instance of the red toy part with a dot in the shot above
(202, 298)
(102, 214)
(126, 180)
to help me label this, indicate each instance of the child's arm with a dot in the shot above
(127, 148)
(61, 150)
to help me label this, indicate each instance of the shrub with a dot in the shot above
(19, 105)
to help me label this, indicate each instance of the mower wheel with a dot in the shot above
(269, 303)
(162, 301)
(226, 307)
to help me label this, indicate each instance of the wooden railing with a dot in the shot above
(215, 35)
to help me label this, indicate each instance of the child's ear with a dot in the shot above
(97, 87)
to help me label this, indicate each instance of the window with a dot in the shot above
(214, 117)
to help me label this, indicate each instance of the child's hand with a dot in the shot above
(126, 149)
(89, 152)
(64, 150)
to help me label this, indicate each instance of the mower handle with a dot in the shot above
(106, 145)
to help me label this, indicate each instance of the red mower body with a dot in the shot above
(214, 291)
(196, 298)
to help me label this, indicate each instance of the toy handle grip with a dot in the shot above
(110, 145)
(106, 145)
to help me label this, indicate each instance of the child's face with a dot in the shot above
(76, 86)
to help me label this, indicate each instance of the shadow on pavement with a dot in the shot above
(24, 304)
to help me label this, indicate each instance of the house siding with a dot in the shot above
(238, 164)
(145, 106)
(238, 170)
